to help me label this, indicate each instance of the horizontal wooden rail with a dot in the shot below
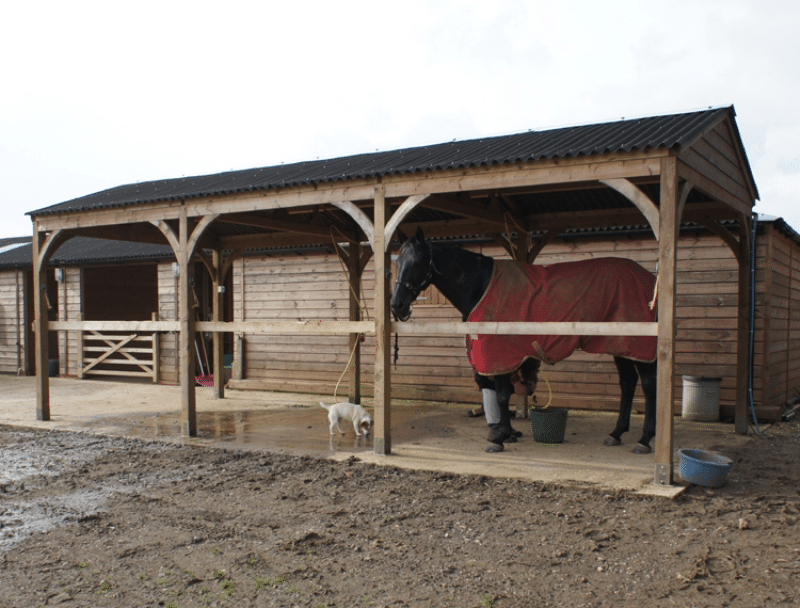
(137, 326)
(560, 328)
(320, 327)
(317, 327)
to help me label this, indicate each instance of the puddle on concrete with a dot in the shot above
(302, 430)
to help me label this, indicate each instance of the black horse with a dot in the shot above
(463, 277)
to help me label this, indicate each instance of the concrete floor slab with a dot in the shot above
(424, 435)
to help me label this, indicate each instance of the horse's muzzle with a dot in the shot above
(401, 317)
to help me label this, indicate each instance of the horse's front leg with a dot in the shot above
(499, 421)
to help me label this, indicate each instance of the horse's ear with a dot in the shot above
(401, 236)
(420, 235)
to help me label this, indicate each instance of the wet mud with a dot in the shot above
(88, 520)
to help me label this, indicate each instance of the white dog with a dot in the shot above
(348, 411)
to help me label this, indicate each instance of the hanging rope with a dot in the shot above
(549, 393)
(362, 305)
(346, 367)
(655, 291)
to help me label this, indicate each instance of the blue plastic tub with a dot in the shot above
(704, 468)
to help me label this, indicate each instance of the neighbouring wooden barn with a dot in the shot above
(93, 279)
(107, 280)
(527, 192)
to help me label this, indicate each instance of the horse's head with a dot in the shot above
(414, 273)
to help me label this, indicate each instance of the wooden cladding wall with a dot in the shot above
(706, 321)
(69, 308)
(777, 344)
(12, 321)
(314, 286)
(289, 288)
(168, 311)
(284, 288)
(716, 156)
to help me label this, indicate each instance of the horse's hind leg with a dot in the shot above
(628, 379)
(649, 374)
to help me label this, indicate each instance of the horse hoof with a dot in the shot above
(493, 448)
(612, 441)
(517, 433)
(497, 435)
(641, 449)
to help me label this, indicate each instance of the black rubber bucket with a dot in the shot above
(549, 425)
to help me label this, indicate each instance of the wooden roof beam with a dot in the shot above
(257, 221)
(456, 206)
(133, 233)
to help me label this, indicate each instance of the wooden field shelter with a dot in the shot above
(104, 280)
(665, 170)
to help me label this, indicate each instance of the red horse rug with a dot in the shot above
(599, 290)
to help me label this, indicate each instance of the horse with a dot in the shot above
(571, 291)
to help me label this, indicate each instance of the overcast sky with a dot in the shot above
(98, 94)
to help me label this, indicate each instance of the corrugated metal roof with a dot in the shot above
(14, 240)
(11, 246)
(670, 131)
(79, 251)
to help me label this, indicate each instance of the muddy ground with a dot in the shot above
(92, 520)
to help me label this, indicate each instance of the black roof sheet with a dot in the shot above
(79, 251)
(670, 131)
(10, 242)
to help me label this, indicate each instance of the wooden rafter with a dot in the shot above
(279, 225)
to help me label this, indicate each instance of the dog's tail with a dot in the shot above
(327, 407)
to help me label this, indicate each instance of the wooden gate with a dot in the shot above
(118, 354)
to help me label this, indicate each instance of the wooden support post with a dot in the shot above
(382, 417)
(156, 352)
(41, 325)
(743, 326)
(667, 256)
(79, 348)
(237, 373)
(186, 339)
(218, 282)
(354, 343)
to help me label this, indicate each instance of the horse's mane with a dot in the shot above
(461, 275)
